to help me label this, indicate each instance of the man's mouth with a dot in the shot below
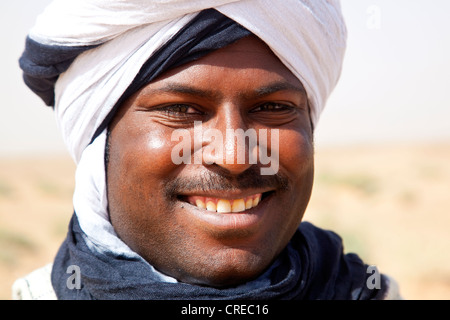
(227, 211)
(226, 205)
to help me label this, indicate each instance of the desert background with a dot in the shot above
(382, 149)
(389, 203)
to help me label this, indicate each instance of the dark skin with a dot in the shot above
(152, 200)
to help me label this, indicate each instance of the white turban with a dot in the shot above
(308, 36)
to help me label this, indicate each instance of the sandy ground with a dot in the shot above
(389, 203)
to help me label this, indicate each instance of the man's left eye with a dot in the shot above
(271, 106)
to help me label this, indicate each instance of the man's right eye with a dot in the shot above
(184, 109)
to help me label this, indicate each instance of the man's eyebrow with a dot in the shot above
(265, 90)
(177, 88)
(278, 86)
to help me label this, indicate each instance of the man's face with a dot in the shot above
(157, 207)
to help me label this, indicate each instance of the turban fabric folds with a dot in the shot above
(92, 50)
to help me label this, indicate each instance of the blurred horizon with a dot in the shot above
(392, 88)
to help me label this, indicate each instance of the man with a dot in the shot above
(171, 110)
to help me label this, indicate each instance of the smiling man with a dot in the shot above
(231, 84)
(180, 217)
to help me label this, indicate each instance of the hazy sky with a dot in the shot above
(394, 86)
(396, 76)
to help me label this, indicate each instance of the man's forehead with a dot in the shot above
(191, 89)
(246, 54)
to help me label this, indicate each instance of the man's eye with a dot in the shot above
(271, 106)
(180, 109)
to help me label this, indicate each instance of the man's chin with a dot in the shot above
(243, 268)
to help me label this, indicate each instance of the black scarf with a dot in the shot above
(312, 266)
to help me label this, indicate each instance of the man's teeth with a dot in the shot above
(224, 205)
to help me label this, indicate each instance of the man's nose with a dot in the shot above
(236, 144)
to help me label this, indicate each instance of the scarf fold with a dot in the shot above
(313, 266)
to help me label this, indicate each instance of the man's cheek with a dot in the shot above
(150, 154)
(295, 153)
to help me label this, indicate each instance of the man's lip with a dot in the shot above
(224, 223)
(225, 194)
(226, 201)
(223, 205)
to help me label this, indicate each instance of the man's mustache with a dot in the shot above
(223, 181)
